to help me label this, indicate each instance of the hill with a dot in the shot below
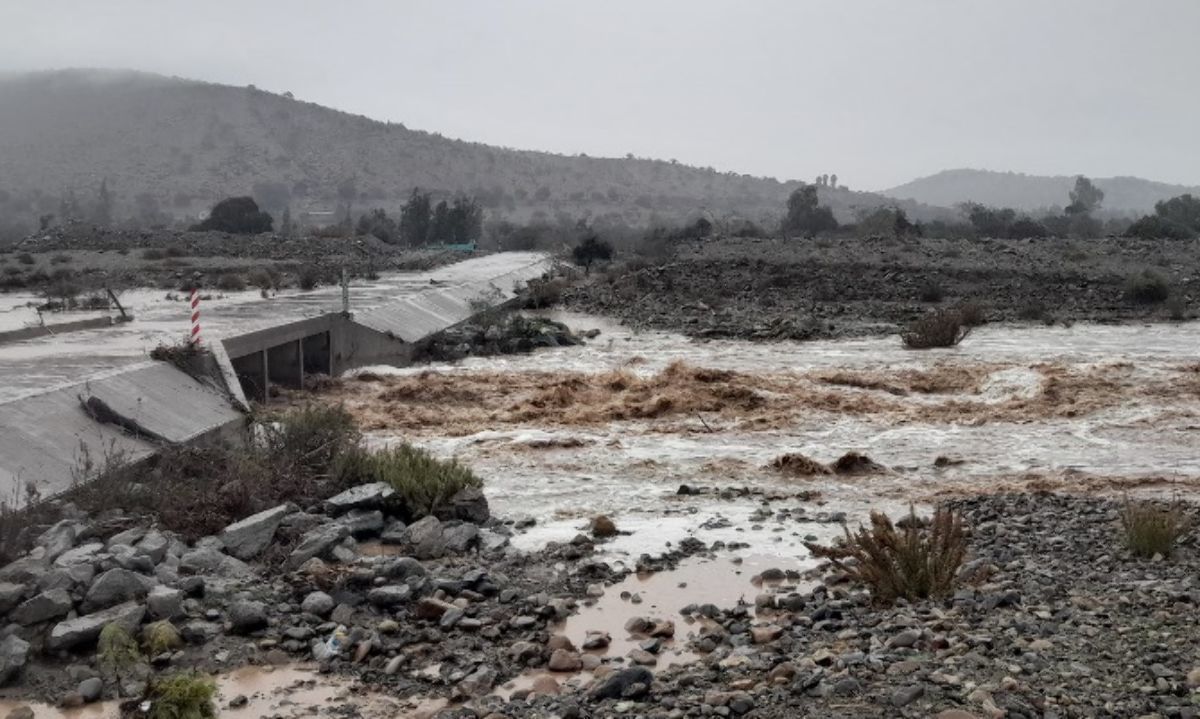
(169, 148)
(1126, 195)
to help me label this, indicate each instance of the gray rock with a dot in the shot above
(904, 639)
(206, 560)
(365, 496)
(129, 537)
(154, 545)
(126, 557)
(468, 504)
(165, 603)
(116, 586)
(81, 574)
(22, 711)
(59, 538)
(90, 689)
(26, 570)
(478, 684)
(14, 651)
(393, 533)
(83, 631)
(390, 595)
(57, 579)
(246, 616)
(907, 695)
(460, 537)
(362, 522)
(199, 631)
(83, 554)
(10, 596)
(402, 568)
(426, 538)
(318, 603)
(249, 537)
(631, 683)
(316, 542)
(43, 607)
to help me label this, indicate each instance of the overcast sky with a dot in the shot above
(877, 92)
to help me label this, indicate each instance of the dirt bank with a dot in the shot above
(805, 289)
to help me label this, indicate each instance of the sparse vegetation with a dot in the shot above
(60, 259)
(159, 637)
(237, 216)
(231, 282)
(26, 259)
(590, 250)
(918, 560)
(186, 695)
(116, 651)
(943, 328)
(931, 292)
(308, 278)
(1177, 308)
(1147, 288)
(805, 215)
(1152, 529)
(423, 482)
(153, 254)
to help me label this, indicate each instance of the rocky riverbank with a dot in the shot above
(1053, 618)
(814, 289)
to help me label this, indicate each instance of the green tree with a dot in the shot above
(591, 249)
(465, 220)
(1183, 211)
(439, 226)
(377, 223)
(415, 219)
(1085, 197)
(805, 216)
(236, 215)
(102, 210)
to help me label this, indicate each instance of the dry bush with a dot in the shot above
(185, 695)
(798, 464)
(931, 292)
(944, 328)
(1147, 288)
(917, 561)
(153, 254)
(422, 482)
(231, 282)
(1152, 529)
(972, 313)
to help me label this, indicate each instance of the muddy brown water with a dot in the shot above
(292, 692)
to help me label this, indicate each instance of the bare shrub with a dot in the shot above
(918, 561)
(231, 282)
(1177, 308)
(1152, 529)
(153, 254)
(26, 259)
(931, 292)
(972, 313)
(944, 328)
(1147, 288)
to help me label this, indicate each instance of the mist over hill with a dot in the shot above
(1127, 195)
(168, 148)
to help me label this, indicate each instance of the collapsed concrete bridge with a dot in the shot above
(46, 435)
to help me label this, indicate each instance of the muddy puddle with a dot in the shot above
(283, 692)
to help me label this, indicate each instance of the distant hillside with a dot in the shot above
(168, 147)
(1131, 195)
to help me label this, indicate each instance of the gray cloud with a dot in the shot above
(876, 91)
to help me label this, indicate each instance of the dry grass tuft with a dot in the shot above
(1152, 529)
(944, 328)
(916, 561)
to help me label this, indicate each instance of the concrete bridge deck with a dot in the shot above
(45, 431)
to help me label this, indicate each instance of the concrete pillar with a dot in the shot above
(266, 378)
(300, 362)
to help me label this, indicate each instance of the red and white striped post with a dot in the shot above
(194, 340)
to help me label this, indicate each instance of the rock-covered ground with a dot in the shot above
(1053, 618)
(806, 289)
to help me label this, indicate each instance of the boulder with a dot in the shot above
(478, 684)
(318, 603)
(126, 557)
(59, 538)
(207, 560)
(316, 542)
(393, 533)
(247, 538)
(90, 689)
(10, 596)
(154, 545)
(246, 616)
(468, 504)
(83, 554)
(43, 607)
(460, 537)
(564, 660)
(603, 526)
(129, 536)
(165, 602)
(362, 522)
(425, 536)
(26, 570)
(375, 495)
(84, 630)
(631, 683)
(116, 586)
(402, 568)
(389, 595)
(13, 653)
